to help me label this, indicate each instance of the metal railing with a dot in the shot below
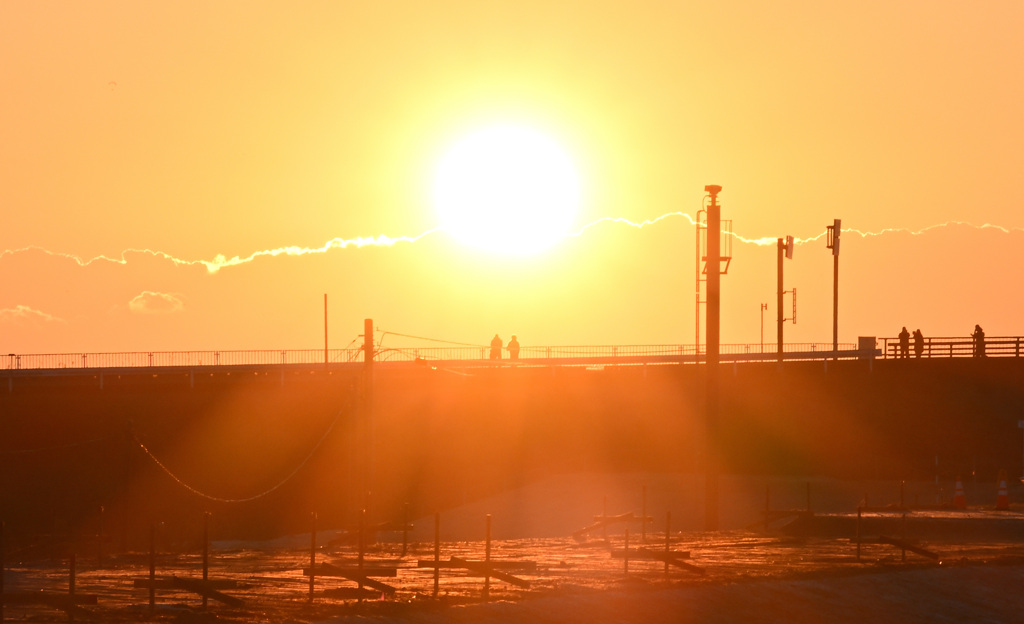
(544, 355)
(955, 346)
(142, 359)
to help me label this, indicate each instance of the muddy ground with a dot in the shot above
(929, 564)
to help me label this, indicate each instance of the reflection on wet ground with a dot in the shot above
(273, 586)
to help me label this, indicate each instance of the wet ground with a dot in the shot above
(553, 578)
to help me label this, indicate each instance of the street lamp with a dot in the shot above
(833, 243)
(764, 306)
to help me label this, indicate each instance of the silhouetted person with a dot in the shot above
(979, 341)
(496, 347)
(513, 349)
(904, 343)
(918, 343)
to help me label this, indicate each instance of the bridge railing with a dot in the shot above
(954, 346)
(141, 359)
(531, 354)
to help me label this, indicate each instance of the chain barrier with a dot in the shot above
(248, 499)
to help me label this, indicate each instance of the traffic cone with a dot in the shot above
(959, 498)
(1003, 495)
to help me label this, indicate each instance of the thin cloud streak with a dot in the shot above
(221, 261)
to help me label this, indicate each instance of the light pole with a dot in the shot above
(764, 306)
(833, 243)
(785, 249)
(711, 338)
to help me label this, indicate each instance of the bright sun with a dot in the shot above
(507, 189)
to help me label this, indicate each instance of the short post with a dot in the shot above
(405, 529)
(858, 532)
(604, 514)
(312, 555)
(2, 567)
(362, 547)
(437, 551)
(668, 524)
(71, 585)
(625, 552)
(487, 559)
(206, 552)
(99, 540)
(152, 566)
(643, 515)
(903, 524)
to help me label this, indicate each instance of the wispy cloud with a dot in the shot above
(149, 302)
(23, 314)
(222, 261)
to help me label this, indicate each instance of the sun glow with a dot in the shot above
(507, 189)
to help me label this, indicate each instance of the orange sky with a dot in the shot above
(188, 130)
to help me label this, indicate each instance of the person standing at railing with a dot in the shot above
(918, 343)
(513, 348)
(496, 347)
(979, 341)
(904, 343)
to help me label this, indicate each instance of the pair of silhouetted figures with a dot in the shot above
(496, 346)
(905, 343)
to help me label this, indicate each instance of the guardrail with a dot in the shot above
(954, 346)
(532, 355)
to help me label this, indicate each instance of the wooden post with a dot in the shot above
(903, 523)
(668, 525)
(312, 554)
(858, 533)
(643, 515)
(604, 514)
(625, 552)
(99, 540)
(405, 529)
(437, 551)
(487, 559)
(362, 550)
(206, 552)
(2, 567)
(71, 586)
(152, 566)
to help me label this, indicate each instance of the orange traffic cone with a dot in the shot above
(1003, 495)
(959, 498)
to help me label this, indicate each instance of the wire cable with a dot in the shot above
(218, 499)
(461, 344)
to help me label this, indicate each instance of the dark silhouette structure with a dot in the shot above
(979, 341)
(513, 348)
(918, 343)
(904, 343)
(496, 347)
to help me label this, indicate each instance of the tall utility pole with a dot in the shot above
(698, 247)
(326, 361)
(833, 244)
(712, 337)
(365, 437)
(785, 249)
